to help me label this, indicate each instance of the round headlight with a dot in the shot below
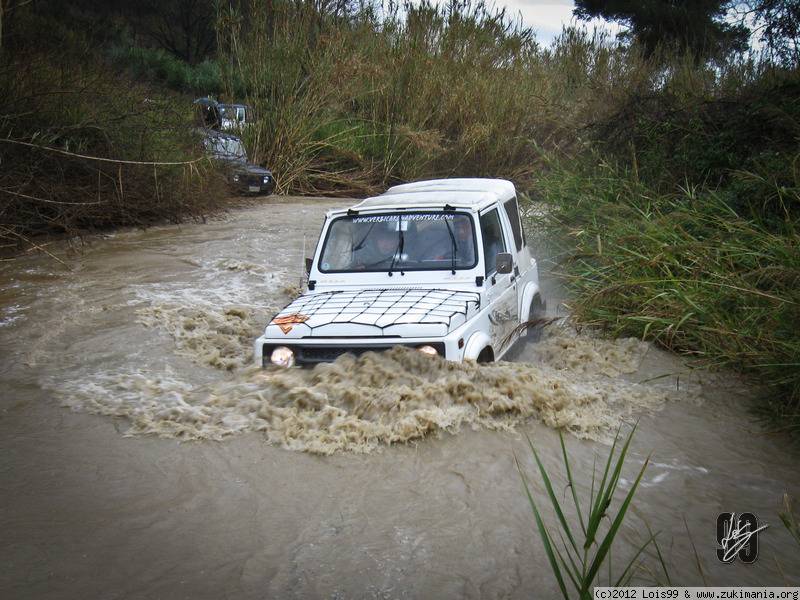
(282, 356)
(266, 178)
(429, 350)
(236, 178)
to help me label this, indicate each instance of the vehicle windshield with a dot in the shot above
(226, 147)
(232, 112)
(411, 241)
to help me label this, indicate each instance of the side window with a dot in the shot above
(492, 239)
(516, 227)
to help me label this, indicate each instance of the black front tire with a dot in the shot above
(486, 356)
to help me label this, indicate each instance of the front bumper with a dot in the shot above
(310, 351)
(312, 354)
(254, 185)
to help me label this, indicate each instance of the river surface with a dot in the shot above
(142, 456)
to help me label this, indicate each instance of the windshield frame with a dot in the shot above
(401, 214)
(219, 145)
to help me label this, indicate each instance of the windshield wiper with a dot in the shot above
(400, 243)
(360, 244)
(454, 248)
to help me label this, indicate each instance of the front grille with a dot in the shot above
(255, 180)
(317, 354)
(311, 355)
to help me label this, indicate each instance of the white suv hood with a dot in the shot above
(410, 312)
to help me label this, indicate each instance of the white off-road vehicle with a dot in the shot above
(441, 266)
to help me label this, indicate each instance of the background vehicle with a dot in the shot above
(441, 266)
(243, 176)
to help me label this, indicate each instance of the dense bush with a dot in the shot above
(734, 134)
(158, 66)
(82, 149)
(683, 269)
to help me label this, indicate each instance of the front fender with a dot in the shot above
(477, 342)
(258, 351)
(531, 290)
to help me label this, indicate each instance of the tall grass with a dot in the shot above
(683, 269)
(355, 102)
(790, 518)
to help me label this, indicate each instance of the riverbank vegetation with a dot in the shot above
(84, 148)
(677, 221)
(685, 268)
(668, 159)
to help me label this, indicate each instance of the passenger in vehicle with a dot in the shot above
(442, 249)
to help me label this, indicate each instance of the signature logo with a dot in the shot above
(738, 537)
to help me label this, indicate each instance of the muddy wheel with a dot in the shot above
(537, 311)
(486, 356)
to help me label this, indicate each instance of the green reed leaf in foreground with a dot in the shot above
(581, 562)
(548, 547)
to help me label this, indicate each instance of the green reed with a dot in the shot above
(583, 545)
(683, 269)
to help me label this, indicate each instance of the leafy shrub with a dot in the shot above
(156, 65)
(683, 269)
(81, 151)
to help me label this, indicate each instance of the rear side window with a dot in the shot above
(516, 227)
(492, 239)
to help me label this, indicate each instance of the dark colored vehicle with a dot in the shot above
(243, 176)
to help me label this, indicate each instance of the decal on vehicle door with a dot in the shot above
(501, 316)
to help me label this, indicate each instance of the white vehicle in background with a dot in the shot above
(441, 266)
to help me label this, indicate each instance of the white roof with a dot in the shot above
(503, 188)
(436, 193)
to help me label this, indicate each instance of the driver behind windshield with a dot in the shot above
(380, 247)
(442, 247)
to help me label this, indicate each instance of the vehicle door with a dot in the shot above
(520, 250)
(501, 287)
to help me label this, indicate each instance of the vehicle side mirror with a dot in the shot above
(504, 262)
(309, 264)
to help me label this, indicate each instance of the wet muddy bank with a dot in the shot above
(153, 329)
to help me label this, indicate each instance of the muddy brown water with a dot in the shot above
(141, 456)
